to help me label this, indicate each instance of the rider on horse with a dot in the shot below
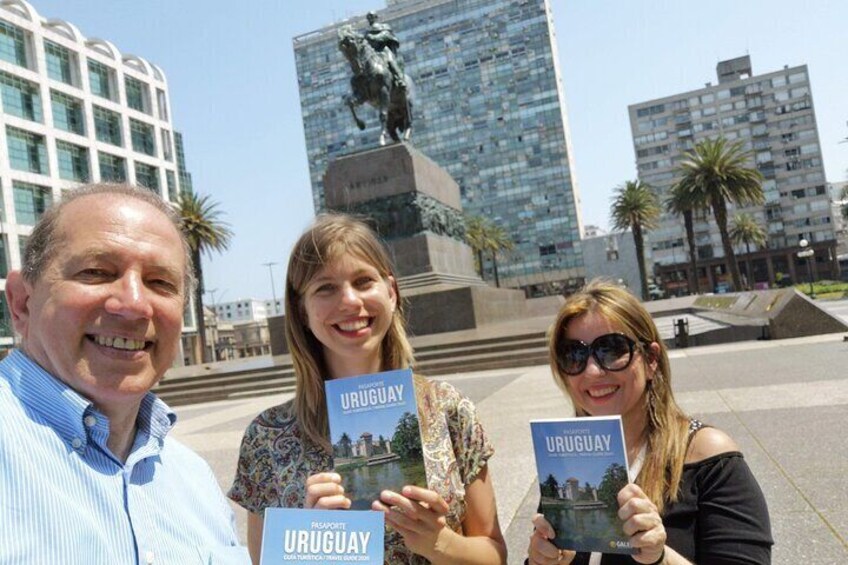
(383, 40)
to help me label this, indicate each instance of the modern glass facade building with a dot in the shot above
(489, 109)
(72, 110)
(773, 116)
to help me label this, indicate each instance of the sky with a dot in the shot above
(234, 96)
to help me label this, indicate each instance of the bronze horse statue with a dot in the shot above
(372, 83)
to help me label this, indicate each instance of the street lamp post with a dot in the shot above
(807, 254)
(270, 266)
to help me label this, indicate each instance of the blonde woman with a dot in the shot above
(694, 499)
(344, 317)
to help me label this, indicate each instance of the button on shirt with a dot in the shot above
(64, 498)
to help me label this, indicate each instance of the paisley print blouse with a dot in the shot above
(276, 459)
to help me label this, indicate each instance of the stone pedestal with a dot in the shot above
(414, 206)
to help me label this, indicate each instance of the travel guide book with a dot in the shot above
(294, 535)
(582, 464)
(375, 434)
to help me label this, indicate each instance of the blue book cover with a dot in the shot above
(294, 535)
(582, 464)
(375, 434)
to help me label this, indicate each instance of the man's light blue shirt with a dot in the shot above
(64, 498)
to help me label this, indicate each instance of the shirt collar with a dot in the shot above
(64, 409)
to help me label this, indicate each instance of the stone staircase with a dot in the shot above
(461, 352)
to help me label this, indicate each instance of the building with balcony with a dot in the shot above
(73, 110)
(773, 115)
(489, 108)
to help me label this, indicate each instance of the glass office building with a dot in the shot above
(772, 115)
(489, 109)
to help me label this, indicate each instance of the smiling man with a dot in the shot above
(87, 472)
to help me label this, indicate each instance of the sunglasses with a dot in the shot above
(612, 352)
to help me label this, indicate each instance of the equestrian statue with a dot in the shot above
(378, 78)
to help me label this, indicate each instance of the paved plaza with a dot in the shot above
(785, 403)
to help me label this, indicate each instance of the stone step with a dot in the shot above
(522, 358)
(244, 387)
(433, 359)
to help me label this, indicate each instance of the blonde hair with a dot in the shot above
(668, 425)
(332, 236)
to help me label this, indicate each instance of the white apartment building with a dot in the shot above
(72, 110)
(772, 114)
(246, 310)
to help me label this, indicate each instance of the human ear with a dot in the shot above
(18, 292)
(652, 355)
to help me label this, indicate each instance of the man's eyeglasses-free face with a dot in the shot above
(613, 352)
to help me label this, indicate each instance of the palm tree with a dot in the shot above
(499, 241)
(747, 230)
(484, 236)
(720, 172)
(844, 197)
(475, 236)
(685, 202)
(206, 233)
(635, 206)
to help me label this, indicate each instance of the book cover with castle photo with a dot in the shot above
(582, 464)
(294, 535)
(375, 434)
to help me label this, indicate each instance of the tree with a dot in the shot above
(475, 236)
(720, 172)
(206, 232)
(635, 206)
(550, 487)
(406, 440)
(483, 236)
(684, 202)
(746, 230)
(343, 447)
(615, 477)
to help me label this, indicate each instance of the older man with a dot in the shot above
(87, 472)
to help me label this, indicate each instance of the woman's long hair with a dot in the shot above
(668, 425)
(330, 237)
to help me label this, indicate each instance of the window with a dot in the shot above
(547, 250)
(797, 77)
(167, 151)
(31, 201)
(112, 168)
(73, 161)
(6, 329)
(147, 176)
(101, 80)
(171, 178)
(61, 63)
(107, 126)
(138, 95)
(27, 151)
(67, 113)
(4, 258)
(12, 44)
(162, 102)
(650, 110)
(21, 98)
(142, 137)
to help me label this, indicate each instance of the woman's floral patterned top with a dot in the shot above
(276, 459)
